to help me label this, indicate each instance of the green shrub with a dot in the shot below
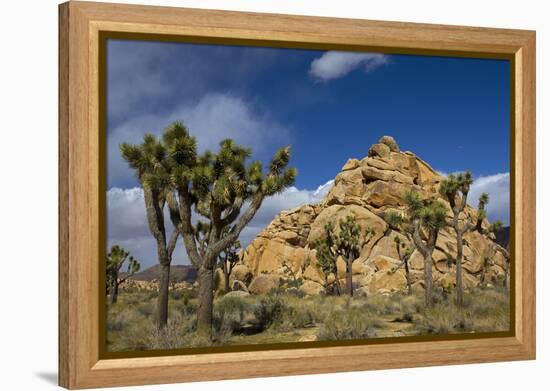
(229, 314)
(269, 310)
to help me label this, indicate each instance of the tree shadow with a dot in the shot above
(49, 377)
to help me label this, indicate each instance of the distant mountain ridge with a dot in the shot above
(178, 273)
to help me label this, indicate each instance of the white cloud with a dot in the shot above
(127, 222)
(333, 64)
(498, 188)
(214, 117)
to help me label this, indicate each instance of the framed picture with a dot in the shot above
(247, 195)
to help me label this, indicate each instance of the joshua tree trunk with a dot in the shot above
(506, 267)
(113, 291)
(164, 282)
(226, 280)
(428, 282)
(408, 276)
(206, 301)
(349, 277)
(426, 250)
(338, 286)
(459, 287)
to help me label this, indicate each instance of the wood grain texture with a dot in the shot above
(79, 205)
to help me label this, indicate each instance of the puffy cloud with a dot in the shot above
(127, 222)
(334, 64)
(158, 76)
(211, 119)
(498, 188)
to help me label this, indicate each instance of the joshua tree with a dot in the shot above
(227, 260)
(149, 160)
(326, 259)
(430, 216)
(455, 189)
(115, 259)
(218, 187)
(346, 244)
(396, 220)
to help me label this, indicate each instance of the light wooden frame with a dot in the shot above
(80, 163)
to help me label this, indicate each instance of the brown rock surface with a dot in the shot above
(312, 288)
(264, 283)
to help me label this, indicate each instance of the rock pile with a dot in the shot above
(283, 255)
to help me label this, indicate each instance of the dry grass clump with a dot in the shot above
(352, 323)
(485, 310)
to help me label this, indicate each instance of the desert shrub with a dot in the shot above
(411, 304)
(178, 333)
(383, 304)
(177, 294)
(117, 319)
(299, 317)
(229, 313)
(483, 310)
(185, 306)
(294, 292)
(354, 323)
(269, 310)
(440, 319)
(146, 309)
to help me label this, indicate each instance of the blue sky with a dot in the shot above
(329, 106)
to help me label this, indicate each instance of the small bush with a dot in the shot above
(146, 309)
(354, 323)
(269, 310)
(484, 310)
(229, 314)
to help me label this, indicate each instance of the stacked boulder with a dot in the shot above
(283, 254)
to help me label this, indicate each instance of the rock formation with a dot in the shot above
(283, 253)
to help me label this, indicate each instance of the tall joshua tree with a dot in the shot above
(227, 260)
(149, 161)
(427, 215)
(225, 194)
(455, 189)
(346, 244)
(115, 260)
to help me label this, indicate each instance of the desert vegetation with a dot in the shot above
(414, 258)
(288, 316)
